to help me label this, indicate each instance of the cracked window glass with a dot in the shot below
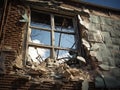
(62, 54)
(38, 54)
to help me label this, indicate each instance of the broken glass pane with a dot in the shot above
(40, 37)
(66, 40)
(38, 54)
(63, 24)
(40, 20)
(62, 55)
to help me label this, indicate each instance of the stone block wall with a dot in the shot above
(103, 39)
(107, 37)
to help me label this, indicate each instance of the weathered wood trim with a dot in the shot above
(46, 46)
(45, 29)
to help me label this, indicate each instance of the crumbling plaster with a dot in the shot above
(102, 41)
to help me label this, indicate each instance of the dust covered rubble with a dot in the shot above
(51, 70)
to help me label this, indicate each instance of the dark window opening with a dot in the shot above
(63, 22)
(40, 20)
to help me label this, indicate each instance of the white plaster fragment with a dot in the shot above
(86, 10)
(81, 59)
(66, 8)
(84, 42)
(86, 24)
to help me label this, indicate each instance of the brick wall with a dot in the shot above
(13, 29)
(13, 32)
(15, 82)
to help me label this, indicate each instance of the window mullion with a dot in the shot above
(77, 36)
(52, 36)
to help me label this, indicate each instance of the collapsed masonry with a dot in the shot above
(99, 44)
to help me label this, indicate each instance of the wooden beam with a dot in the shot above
(52, 36)
(58, 12)
(45, 29)
(46, 46)
(39, 28)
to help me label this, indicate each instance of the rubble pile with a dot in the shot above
(52, 70)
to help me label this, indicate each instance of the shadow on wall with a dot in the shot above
(18, 83)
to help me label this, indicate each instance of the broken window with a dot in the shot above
(51, 36)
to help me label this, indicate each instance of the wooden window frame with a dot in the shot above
(52, 30)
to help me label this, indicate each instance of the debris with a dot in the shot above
(81, 59)
(67, 74)
(33, 72)
(24, 17)
(49, 62)
(51, 69)
(18, 62)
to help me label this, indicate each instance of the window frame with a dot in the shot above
(53, 30)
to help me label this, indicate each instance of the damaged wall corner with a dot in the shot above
(97, 44)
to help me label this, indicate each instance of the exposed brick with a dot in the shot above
(15, 82)
(13, 35)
